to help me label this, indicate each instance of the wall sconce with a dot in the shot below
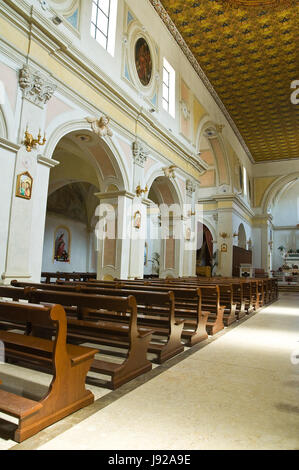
(31, 143)
(235, 234)
(224, 235)
(191, 213)
(140, 191)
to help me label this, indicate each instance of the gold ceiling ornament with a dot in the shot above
(259, 3)
(247, 58)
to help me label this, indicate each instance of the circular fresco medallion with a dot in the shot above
(143, 61)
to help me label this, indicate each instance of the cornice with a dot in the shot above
(115, 195)
(285, 227)
(230, 197)
(8, 145)
(49, 162)
(157, 5)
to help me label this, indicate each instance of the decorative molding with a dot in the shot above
(140, 153)
(100, 126)
(157, 5)
(169, 171)
(7, 145)
(185, 110)
(35, 87)
(115, 195)
(190, 187)
(49, 162)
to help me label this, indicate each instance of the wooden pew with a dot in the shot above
(121, 333)
(210, 302)
(155, 310)
(187, 303)
(76, 276)
(69, 364)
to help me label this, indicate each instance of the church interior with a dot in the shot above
(149, 236)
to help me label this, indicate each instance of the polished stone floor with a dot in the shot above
(237, 390)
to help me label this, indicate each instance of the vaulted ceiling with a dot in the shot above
(249, 51)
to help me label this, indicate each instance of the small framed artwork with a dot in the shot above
(224, 247)
(137, 220)
(188, 233)
(143, 61)
(62, 244)
(24, 185)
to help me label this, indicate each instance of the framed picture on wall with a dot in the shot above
(224, 248)
(62, 244)
(24, 185)
(137, 219)
(143, 61)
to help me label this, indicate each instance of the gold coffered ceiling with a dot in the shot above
(249, 50)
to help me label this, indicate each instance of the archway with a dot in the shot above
(162, 247)
(204, 251)
(86, 167)
(241, 237)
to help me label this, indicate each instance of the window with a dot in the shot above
(245, 180)
(168, 88)
(103, 23)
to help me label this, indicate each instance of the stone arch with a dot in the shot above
(274, 190)
(171, 183)
(167, 199)
(7, 121)
(211, 146)
(78, 124)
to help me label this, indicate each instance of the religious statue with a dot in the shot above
(100, 126)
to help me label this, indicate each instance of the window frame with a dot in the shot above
(169, 102)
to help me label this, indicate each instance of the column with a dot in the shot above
(30, 182)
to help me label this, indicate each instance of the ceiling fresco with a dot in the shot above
(249, 52)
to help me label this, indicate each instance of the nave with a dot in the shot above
(236, 390)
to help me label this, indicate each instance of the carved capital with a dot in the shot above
(190, 187)
(35, 88)
(169, 171)
(100, 126)
(140, 153)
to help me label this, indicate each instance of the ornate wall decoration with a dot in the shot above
(24, 185)
(140, 153)
(35, 88)
(169, 171)
(137, 220)
(190, 187)
(230, 46)
(100, 126)
(140, 60)
(143, 61)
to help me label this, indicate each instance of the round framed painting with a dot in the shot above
(143, 61)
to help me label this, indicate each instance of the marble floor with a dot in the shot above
(237, 390)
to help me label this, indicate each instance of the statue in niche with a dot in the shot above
(62, 245)
(100, 126)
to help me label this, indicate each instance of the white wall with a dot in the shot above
(286, 214)
(7, 162)
(80, 246)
